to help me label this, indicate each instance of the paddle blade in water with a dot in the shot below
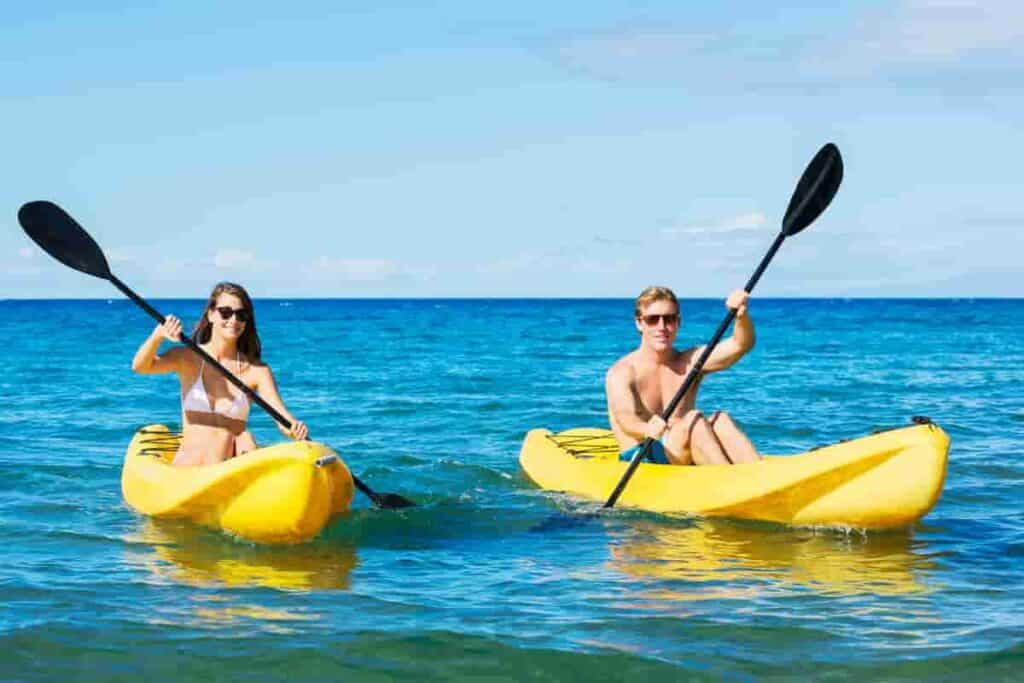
(392, 501)
(63, 238)
(814, 192)
(388, 501)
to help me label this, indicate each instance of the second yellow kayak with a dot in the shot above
(285, 493)
(886, 480)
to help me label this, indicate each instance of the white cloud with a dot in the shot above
(513, 264)
(354, 270)
(601, 266)
(25, 252)
(647, 54)
(904, 43)
(942, 30)
(236, 259)
(536, 263)
(744, 222)
(127, 254)
(930, 42)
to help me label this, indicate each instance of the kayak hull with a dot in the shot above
(886, 480)
(274, 495)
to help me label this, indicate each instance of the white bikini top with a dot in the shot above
(197, 400)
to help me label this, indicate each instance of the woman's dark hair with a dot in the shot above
(249, 342)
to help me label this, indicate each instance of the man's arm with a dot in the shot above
(622, 406)
(729, 351)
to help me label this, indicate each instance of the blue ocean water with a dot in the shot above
(431, 399)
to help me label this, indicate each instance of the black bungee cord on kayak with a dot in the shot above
(584, 445)
(157, 443)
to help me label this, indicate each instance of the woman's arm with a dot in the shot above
(146, 360)
(266, 387)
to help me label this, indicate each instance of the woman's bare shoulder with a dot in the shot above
(260, 365)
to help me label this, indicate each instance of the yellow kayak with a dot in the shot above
(280, 494)
(886, 480)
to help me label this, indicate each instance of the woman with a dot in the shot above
(214, 412)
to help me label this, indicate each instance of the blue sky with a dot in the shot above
(515, 149)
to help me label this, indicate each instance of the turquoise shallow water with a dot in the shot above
(431, 399)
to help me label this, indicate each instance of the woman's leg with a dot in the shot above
(187, 459)
(205, 449)
(244, 443)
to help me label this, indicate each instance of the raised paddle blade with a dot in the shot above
(63, 238)
(814, 192)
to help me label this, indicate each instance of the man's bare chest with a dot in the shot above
(655, 388)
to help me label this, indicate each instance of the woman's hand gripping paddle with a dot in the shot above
(64, 239)
(814, 192)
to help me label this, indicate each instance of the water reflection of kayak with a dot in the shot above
(185, 554)
(886, 480)
(744, 554)
(285, 493)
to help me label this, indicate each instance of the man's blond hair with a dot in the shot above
(652, 294)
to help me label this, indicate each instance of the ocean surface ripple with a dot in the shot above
(431, 399)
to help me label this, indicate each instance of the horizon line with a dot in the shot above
(535, 298)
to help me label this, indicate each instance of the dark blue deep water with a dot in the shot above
(431, 399)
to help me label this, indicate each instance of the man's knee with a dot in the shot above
(720, 418)
(690, 418)
(677, 444)
(680, 457)
(681, 431)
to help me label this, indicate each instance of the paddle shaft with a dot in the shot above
(692, 376)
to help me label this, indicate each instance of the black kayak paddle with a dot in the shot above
(64, 239)
(814, 192)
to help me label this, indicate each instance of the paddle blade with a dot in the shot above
(63, 238)
(392, 501)
(388, 501)
(814, 192)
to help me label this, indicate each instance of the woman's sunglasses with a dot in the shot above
(669, 318)
(226, 312)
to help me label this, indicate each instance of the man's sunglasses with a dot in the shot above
(226, 312)
(669, 318)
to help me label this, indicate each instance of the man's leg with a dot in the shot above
(692, 441)
(737, 446)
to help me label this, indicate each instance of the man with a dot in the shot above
(643, 382)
